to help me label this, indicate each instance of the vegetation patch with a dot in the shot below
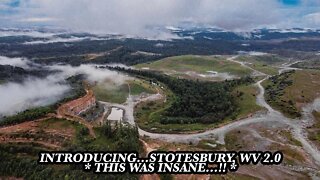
(314, 130)
(289, 91)
(200, 64)
(109, 138)
(138, 86)
(275, 91)
(27, 115)
(245, 99)
(290, 138)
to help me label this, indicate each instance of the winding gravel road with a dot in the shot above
(271, 116)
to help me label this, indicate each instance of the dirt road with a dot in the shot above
(272, 116)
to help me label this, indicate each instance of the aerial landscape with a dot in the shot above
(166, 76)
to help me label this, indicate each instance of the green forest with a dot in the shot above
(20, 160)
(195, 101)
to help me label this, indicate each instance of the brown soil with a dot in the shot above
(63, 112)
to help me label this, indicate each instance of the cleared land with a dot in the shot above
(114, 93)
(138, 86)
(111, 93)
(196, 67)
(290, 91)
(49, 133)
(263, 64)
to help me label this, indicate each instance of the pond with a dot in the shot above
(116, 114)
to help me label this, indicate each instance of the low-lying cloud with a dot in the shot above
(18, 62)
(56, 40)
(33, 92)
(16, 97)
(93, 74)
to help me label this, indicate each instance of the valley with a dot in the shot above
(170, 102)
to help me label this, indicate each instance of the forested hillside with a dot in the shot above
(195, 101)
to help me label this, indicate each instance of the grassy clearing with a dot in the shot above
(59, 124)
(200, 64)
(305, 87)
(110, 92)
(114, 94)
(245, 97)
(262, 63)
(269, 59)
(138, 86)
(289, 93)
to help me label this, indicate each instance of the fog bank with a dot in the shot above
(18, 62)
(16, 97)
(33, 92)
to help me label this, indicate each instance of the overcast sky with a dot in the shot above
(141, 17)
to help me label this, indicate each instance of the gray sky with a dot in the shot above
(140, 17)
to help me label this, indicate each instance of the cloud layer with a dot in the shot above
(141, 17)
(18, 62)
(34, 92)
(16, 97)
